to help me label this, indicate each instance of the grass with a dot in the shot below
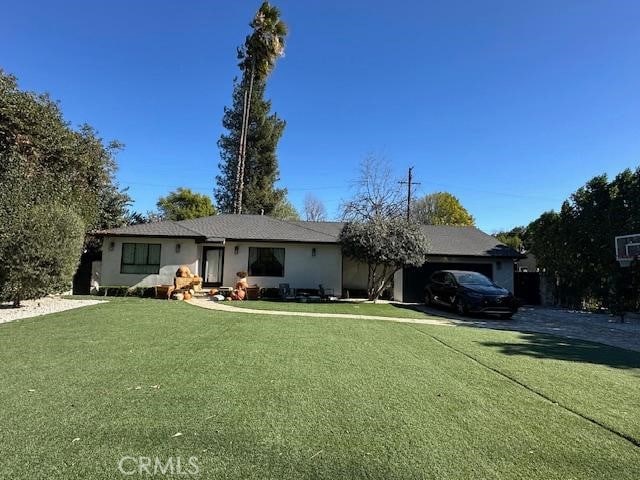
(289, 397)
(352, 308)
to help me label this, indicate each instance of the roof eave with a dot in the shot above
(269, 240)
(145, 235)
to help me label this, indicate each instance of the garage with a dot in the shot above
(414, 279)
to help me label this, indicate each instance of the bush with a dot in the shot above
(385, 245)
(39, 252)
(126, 291)
(113, 291)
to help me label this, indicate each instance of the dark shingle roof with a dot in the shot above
(464, 241)
(256, 227)
(167, 228)
(232, 227)
(328, 228)
(443, 240)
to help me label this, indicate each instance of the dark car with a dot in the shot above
(469, 292)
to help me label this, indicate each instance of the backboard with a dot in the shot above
(627, 249)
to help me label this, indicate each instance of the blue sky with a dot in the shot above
(511, 106)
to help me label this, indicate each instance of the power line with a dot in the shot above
(210, 187)
(347, 187)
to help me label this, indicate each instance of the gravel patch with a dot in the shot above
(42, 306)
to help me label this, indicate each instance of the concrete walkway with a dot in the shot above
(224, 307)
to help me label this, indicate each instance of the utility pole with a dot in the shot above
(409, 183)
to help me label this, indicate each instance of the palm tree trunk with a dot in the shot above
(236, 189)
(244, 142)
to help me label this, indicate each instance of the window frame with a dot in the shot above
(156, 266)
(249, 269)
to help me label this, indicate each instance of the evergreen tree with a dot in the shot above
(575, 246)
(515, 238)
(285, 211)
(56, 183)
(263, 129)
(184, 204)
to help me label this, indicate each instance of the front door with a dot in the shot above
(212, 264)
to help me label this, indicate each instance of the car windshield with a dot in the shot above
(472, 278)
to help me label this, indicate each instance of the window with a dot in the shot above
(266, 262)
(473, 278)
(438, 277)
(140, 258)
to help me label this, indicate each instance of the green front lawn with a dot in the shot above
(295, 397)
(352, 308)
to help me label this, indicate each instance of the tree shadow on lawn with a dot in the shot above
(540, 345)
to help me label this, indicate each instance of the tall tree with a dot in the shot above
(35, 138)
(51, 176)
(249, 165)
(377, 193)
(440, 208)
(314, 210)
(184, 204)
(575, 246)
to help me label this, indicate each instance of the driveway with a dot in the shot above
(580, 325)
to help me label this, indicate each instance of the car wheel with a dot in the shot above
(506, 316)
(460, 307)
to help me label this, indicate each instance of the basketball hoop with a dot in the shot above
(627, 249)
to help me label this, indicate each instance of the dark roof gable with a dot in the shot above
(231, 227)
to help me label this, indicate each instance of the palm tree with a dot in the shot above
(257, 58)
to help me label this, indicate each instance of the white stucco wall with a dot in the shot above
(354, 277)
(301, 269)
(170, 260)
(354, 274)
(397, 286)
(503, 273)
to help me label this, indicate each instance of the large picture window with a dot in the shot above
(140, 258)
(266, 262)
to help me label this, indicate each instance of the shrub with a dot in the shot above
(40, 252)
(385, 245)
(126, 291)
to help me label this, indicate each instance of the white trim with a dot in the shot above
(626, 247)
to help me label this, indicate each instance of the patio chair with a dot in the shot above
(325, 293)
